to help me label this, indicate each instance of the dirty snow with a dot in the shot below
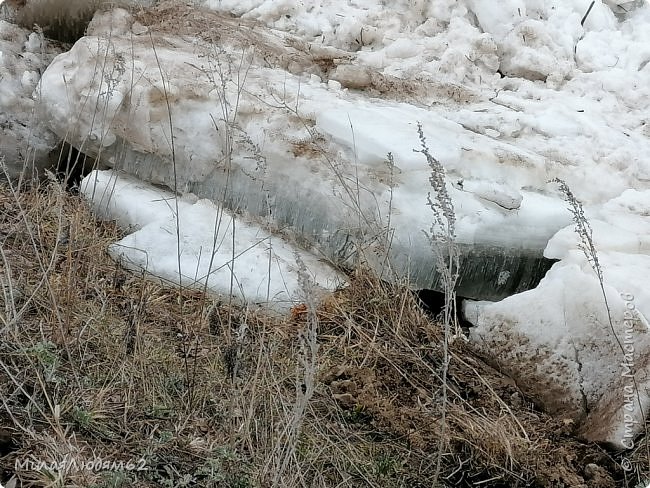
(24, 139)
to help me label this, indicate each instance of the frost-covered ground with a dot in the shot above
(509, 98)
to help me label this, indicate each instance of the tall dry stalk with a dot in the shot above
(443, 240)
(307, 369)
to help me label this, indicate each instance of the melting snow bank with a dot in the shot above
(556, 341)
(309, 154)
(217, 249)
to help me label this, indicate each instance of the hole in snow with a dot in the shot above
(433, 303)
(71, 165)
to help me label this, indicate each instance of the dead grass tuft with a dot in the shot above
(270, 48)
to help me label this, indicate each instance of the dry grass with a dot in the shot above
(97, 363)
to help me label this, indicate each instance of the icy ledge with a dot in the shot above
(320, 173)
(260, 269)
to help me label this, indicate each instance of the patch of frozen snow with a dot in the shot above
(325, 165)
(217, 251)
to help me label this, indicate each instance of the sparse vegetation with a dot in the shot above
(445, 251)
(100, 364)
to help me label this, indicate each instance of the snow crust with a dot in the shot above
(558, 337)
(319, 152)
(218, 251)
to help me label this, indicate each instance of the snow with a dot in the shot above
(567, 312)
(23, 140)
(556, 340)
(509, 98)
(324, 162)
(217, 251)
